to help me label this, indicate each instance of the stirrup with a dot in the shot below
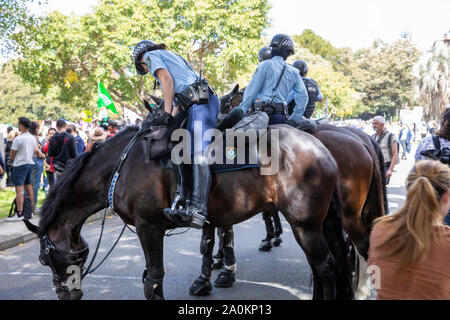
(178, 217)
(178, 201)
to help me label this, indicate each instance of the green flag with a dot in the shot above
(104, 99)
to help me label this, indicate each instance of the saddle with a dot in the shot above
(156, 143)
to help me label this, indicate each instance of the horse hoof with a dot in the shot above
(277, 241)
(225, 279)
(265, 245)
(76, 294)
(200, 287)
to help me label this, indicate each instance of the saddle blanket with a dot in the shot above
(230, 160)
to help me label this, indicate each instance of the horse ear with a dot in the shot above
(156, 99)
(235, 89)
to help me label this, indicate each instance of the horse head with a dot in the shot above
(65, 254)
(231, 99)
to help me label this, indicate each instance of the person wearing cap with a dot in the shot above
(96, 137)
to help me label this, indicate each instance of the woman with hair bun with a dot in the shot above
(410, 249)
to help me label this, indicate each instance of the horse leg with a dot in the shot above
(218, 257)
(226, 276)
(321, 261)
(276, 241)
(151, 237)
(202, 285)
(266, 244)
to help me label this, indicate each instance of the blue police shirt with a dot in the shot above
(180, 70)
(265, 79)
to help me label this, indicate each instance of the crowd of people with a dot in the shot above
(36, 156)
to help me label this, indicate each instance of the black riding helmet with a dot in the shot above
(282, 44)
(141, 48)
(302, 66)
(265, 54)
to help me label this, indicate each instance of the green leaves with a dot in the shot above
(71, 54)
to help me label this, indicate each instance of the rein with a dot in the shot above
(110, 202)
(229, 102)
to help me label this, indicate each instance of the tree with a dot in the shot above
(21, 100)
(317, 45)
(71, 54)
(434, 80)
(13, 13)
(342, 97)
(382, 74)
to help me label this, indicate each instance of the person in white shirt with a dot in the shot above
(23, 148)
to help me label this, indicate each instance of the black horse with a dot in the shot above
(305, 191)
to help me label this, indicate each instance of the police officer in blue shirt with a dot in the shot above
(179, 81)
(272, 82)
(314, 93)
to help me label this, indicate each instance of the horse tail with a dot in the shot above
(376, 202)
(334, 236)
(383, 176)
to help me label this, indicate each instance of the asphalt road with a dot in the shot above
(281, 274)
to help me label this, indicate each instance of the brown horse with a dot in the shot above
(362, 190)
(304, 189)
(361, 179)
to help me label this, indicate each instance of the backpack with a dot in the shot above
(442, 155)
(390, 144)
(27, 210)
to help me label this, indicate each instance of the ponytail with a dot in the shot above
(412, 228)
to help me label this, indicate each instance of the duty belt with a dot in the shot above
(192, 95)
(271, 108)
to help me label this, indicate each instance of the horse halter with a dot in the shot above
(57, 259)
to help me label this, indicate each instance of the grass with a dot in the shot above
(7, 196)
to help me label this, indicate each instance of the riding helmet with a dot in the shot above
(283, 42)
(141, 48)
(265, 54)
(302, 66)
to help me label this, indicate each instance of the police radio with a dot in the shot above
(203, 90)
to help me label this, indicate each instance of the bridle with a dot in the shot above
(230, 97)
(50, 255)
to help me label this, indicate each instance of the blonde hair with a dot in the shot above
(12, 134)
(412, 228)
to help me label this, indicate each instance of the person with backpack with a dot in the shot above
(388, 144)
(23, 149)
(438, 145)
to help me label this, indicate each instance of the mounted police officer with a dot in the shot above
(264, 54)
(314, 93)
(180, 83)
(272, 82)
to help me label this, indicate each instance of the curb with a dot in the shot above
(28, 236)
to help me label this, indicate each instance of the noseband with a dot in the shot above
(51, 256)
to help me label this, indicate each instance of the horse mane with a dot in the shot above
(63, 186)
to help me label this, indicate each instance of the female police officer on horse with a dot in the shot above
(179, 81)
(272, 82)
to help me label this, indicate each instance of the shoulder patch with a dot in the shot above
(148, 62)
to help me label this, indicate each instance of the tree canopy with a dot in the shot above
(19, 99)
(69, 54)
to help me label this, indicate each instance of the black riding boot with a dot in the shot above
(196, 212)
(181, 193)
